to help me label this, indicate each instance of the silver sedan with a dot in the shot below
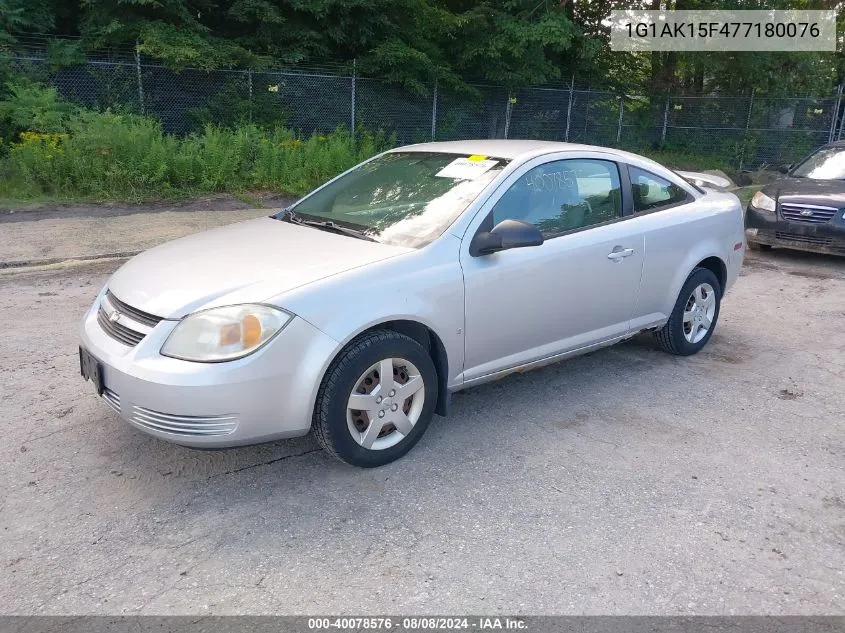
(356, 312)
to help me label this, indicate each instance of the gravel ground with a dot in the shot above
(624, 482)
(35, 238)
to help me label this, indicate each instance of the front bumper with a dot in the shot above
(768, 228)
(265, 396)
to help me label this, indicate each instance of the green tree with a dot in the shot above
(21, 16)
(512, 42)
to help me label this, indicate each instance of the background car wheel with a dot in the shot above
(376, 400)
(694, 316)
(757, 246)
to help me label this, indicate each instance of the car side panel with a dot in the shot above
(425, 286)
(676, 240)
(530, 303)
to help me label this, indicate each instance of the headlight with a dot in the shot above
(762, 201)
(224, 333)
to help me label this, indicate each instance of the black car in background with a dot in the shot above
(804, 209)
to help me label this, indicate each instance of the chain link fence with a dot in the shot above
(743, 132)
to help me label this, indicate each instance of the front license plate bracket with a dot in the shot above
(91, 369)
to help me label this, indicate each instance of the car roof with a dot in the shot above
(519, 150)
(513, 149)
(502, 148)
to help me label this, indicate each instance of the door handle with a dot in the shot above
(619, 253)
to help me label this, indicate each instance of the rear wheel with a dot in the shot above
(694, 316)
(376, 400)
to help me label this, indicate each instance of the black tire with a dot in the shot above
(329, 423)
(757, 246)
(671, 336)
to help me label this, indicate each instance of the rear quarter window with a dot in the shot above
(653, 192)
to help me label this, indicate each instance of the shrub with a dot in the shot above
(106, 155)
(30, 107)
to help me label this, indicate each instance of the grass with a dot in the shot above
(112, 157)
(107, 156)
(53, 151)
(60, 153)
(13, 203)
(746, 193)
(248, 198)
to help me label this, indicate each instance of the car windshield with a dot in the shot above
(826, 164)
(404, 198)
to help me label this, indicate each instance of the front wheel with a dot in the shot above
(376, 400)
(694, 316)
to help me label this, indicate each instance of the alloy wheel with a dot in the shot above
(385, 403)
(699, 312)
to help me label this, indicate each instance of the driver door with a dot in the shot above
(577, 289)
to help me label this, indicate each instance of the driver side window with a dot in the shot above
(563, 195)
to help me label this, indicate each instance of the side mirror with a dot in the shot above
(784, 169)
(505, 235)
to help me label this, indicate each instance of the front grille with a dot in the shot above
(112, 399)
(133, 313)
(804, 239)
(808, 214)
(118, 331)
(184, 424)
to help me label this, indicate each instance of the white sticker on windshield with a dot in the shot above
(466, 168)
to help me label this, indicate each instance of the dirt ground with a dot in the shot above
(43, 236)
(622, 482)
(221, 202)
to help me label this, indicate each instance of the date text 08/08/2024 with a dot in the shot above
(417, 623)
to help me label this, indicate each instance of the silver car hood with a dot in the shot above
(240, 263)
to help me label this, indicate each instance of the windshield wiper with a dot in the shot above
(327, 225)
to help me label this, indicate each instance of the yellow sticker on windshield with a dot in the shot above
(476, 157)
(466, 168)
